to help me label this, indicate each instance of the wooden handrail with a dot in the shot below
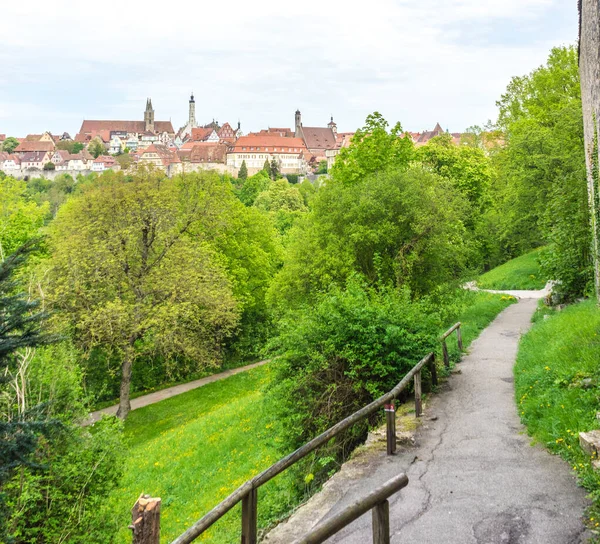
(455, 327)
(247, 492)
(376, 500)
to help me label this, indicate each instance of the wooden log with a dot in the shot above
(249, 517)
(145, 520)
(390, 419)
(459, 339)
(446, 356)
(331, 525)
(433, 370)
(381, 523)
(418, 402)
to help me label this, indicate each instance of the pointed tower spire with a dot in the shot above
(149, 116)
(192, 112)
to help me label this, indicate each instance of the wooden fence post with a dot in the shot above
(249, 517)
(459, 339)
(433, 370)
(446, 356)
(145, 520)
(381, 523)
(390, 419)
(418, 403)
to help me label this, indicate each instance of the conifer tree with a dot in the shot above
(20, 327)
(274, 170)
(267, 167)
(243, 173)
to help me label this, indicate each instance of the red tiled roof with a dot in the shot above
(89, 126)
(165, 154)
(319, 138)
(261, 142)
(29, 146)
(205, 152)
(200, 134)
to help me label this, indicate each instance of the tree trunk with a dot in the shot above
(124, 404)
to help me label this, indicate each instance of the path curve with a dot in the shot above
(474, 477)
(157, 396)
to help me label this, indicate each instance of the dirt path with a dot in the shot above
(474, 477)
(169, 392)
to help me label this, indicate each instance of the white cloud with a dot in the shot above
(414, 61)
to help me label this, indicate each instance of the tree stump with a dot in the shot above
(145, 520)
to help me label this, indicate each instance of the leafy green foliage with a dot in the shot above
(380, 227)
(521, 273)
(134, 272)
(70, 145)
(96, 148)
(243, 173)
(20, 217)
(341, 353)
(557, 378)
(283, 202)
(373, 149)
(541, 190)
(10, 144)
(253, 186)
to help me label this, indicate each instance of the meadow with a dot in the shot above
(520, 273)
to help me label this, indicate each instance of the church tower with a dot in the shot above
(298, 124)
(332, 126)
(149, 116)
(192, 116)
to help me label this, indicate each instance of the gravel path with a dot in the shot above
(474, 477)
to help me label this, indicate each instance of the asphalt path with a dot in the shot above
(474, 476)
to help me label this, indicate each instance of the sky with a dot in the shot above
(415, 61)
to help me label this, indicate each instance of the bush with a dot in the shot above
(354, 345)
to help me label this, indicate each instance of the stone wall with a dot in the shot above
(48, 174)
(589, 70)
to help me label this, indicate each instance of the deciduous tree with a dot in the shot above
(135, 273)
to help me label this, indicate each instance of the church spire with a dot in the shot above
(149, 116)
(192, 112)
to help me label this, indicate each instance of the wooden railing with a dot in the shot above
(459, 341)
(247, 493)
(376, 500)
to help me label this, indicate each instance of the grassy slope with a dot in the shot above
(520, 273)
(194, 449)
(554, 357)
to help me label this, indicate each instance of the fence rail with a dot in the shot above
(247, 493)
(377, 500)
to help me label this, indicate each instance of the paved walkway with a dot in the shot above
(474, 478)
(169, 392)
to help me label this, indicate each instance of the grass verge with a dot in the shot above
(557, 379)
(520, 273)
(195, 449)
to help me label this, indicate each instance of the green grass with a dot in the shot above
(554, 402)
(520, 273)
(195, 449)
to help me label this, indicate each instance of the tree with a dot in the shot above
(96, 148)
(322, 168)
(20, 327)
(253, 186)
(135, 273)
(243, 173)
(274, 169)
(381, 228)
(49, 166)
(20, 217)
(125, 160)
(10, 144)
(70, 145)
(373, 149)
(267, 167)
(541, 191)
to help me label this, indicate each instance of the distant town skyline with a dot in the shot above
(445, 61)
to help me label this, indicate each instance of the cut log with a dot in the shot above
(145, 520)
